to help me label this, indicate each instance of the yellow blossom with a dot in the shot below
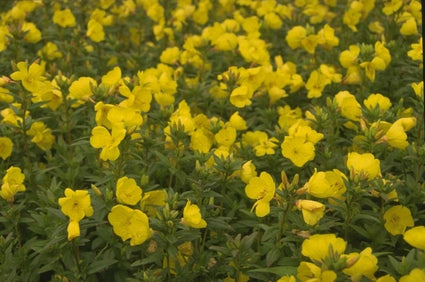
(81, 90)
(295, 36)
(127, 191)
(416, 52)
(32, 77)
(12, 183)
(50, 51)
(95, 31)
(109, 142)
(241, 96)
(64, 18)
(409, 27)
(130, 224)
(6, 146)
(318, 246)
(248, 171)
(192, 216)
(325, 184)
(262, 189)
(308, 271)
(312, 211)
(76, 204)
(397, 219)
(348, 105)
(41, 135)
(237, 122)
(298, 150)
(225, 136)
(153, 199)
(377, 101)
(363, 165)
(415, 237)
(32, 33)
(366, 265)
(415, 275)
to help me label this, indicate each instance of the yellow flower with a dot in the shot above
(386, 278)
(396, 135)
(327, 37)
(112, 78)
(415, 237)
(139, 98)
(312, 211)
(295, 36)
(241, 96)
(130, 224)
(127, 191)
(397, 219)
(12, 183)
(201, 141)
(153, 199)
(32, 78)
(418, 88)
(170, 55)
(298, 129)
(95, 31)
(326, 184)
(392, 6)
(365, 265)
(226, 136)
(262, 189)
(364, 166)
(6, 146)
(192, 216)
(415, 275)
(265, 145)
(316, 83)
(101, 138)
(416, 52)
(81, 89)
(41, 135)
(287, 278)
(50, 51)
(237, 122)
(377, 101)
(5, 95)
(248, 171)
(308, 271)
(349, 58)
(319, 246)
(32, 33)
(297, 150)
(73, 229)
(409, 27)
(64, 18)
(10, 117)
(348, 105)
(76, 204)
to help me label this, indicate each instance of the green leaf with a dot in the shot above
(100, 265)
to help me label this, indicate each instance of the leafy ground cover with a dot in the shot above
(202, 140)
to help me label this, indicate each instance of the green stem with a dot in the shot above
(76, 252)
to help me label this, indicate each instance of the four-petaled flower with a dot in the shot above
(262, 189)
